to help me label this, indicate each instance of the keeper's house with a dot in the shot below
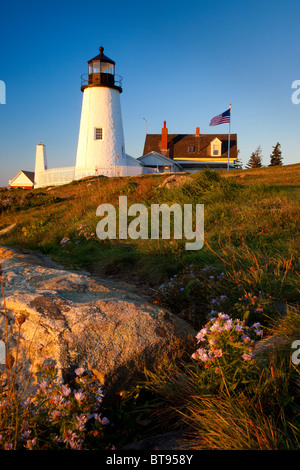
(188, 152)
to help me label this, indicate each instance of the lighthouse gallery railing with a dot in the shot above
(104, 79)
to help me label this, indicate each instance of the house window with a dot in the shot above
(216, 148)
(192, 149)
(99, 133)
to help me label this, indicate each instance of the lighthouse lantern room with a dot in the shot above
(101, 145)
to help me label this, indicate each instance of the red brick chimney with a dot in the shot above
(197, 131)
(164, 137)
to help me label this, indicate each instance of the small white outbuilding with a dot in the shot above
(23, 179)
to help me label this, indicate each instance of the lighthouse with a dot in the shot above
(101, 146)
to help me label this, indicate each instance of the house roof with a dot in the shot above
(133, 161)
(179, 144)
(102, 57)
(29, 175)
(155, 158)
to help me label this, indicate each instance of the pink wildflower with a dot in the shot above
(218, 353)
(201, 334)
(223, 316)
(31, 443)
(239, 328)
(43, 385)
(245, 338)
(65, 390)
(81, 420)
(247, 357)
(55, 415)
(258, 332)
(79, 395)
(228, 324)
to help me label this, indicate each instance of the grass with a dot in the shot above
(255, 220)
(223, 409)
(248, 267)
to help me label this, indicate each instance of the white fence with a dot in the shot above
(111, 171)
(60, 176)
(54, 177)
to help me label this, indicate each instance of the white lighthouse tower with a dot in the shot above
(101, 146)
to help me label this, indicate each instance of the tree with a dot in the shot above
(276, 156)
(255, 159)
(238, 164)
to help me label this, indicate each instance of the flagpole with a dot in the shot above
(229, 139)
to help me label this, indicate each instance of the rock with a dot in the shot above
(272, 347)
(73, 319)
(175, 181)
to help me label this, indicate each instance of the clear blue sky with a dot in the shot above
(183, 62)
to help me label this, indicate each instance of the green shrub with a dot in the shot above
(190, 292)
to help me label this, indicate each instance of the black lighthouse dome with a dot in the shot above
(101, 73)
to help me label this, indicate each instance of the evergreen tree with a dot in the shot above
(276, 156)
(255, 159)
(238, 164)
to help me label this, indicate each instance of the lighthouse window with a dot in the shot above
(96, 67)
(107, 68)
(99, 133)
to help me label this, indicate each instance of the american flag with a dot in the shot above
(221, 118)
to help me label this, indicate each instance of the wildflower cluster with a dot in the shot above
(253, 307)
(226, 341)
(85, 232)
(65, 241)
(218, 303)
(56, 416)
(249, 307)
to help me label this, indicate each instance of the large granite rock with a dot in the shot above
(73, 319)
(175, 181)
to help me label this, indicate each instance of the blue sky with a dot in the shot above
(182, 62)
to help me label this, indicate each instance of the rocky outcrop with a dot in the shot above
(72, 319)
(175, 181)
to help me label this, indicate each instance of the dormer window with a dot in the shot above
(216, 148)
(192, 149)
